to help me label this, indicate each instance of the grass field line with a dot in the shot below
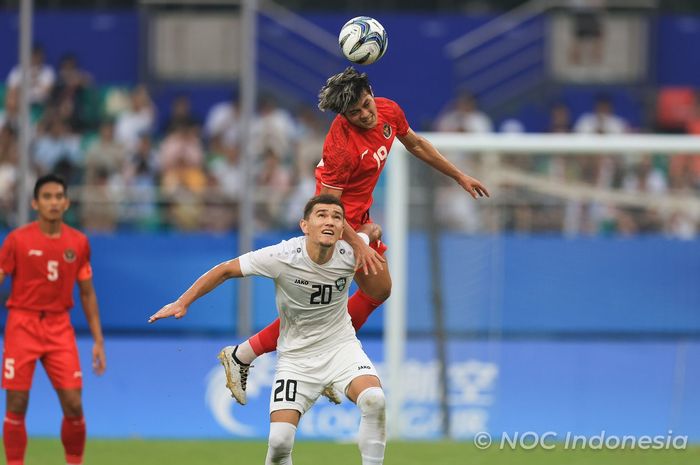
(43, 451)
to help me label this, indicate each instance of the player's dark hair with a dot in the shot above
(324, 199)
(47, 178)
(343, 90)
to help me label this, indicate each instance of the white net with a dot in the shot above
(508, 268)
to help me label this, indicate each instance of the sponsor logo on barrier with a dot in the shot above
(471, 394)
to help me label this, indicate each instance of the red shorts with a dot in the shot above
(45, 336)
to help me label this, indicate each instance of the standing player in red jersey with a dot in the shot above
(354, 154)
(45, 259)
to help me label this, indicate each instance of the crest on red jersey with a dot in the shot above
(386, 130)
(69, 255)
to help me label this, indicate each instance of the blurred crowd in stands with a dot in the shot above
(126, 171)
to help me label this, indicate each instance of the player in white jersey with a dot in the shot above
(317, 345)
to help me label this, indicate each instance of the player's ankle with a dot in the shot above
(243, 354)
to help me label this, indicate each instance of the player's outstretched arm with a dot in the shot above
(366, 258)
(88, 298)
(421, 148)
(206, 283)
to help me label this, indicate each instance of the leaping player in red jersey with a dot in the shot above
(354, 155)
(45, 259)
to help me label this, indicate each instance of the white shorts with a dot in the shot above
(299, 382)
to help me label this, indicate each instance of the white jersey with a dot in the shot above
(312, 299)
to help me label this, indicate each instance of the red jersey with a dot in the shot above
(44, 269)
(353, 158)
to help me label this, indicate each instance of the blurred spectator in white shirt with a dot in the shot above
(275, 181)
(226, 169)
(9, 116)
(182, 147)
(99, 211)
(222, 123)
(137, 119)
(105, 155)
(57, 145)
(41, 77)
(465, 116)
(512, 126)
(273, 129)
(8, 172)
(602, 120)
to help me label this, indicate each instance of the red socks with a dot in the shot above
(73, 438)
(266, 340)
(14, 436)
(360, 306)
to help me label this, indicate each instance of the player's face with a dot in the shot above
(324, 225)
(364, 113)
(51, 202)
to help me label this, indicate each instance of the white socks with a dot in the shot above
(245, 353)
(372, 435)
(280, 443)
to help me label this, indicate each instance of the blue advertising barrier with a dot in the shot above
(507, 284)
(175, 388)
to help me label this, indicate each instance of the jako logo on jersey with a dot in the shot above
(38, 253)
(301, 281)
(386, 130)
(364, 367)
(69, 255)
(340, 283)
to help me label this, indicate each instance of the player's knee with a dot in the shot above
(17, 401)
(72, 405)
(281, 439)
(384, 289)
(73, 409)
(379, 292)
(384, 292)
(372, 403)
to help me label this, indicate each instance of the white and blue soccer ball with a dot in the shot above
(363, 40)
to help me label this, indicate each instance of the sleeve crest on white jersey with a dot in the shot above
(347, 256)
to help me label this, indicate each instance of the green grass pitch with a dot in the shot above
(142, 452)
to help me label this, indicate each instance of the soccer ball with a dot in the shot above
(363, 40)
